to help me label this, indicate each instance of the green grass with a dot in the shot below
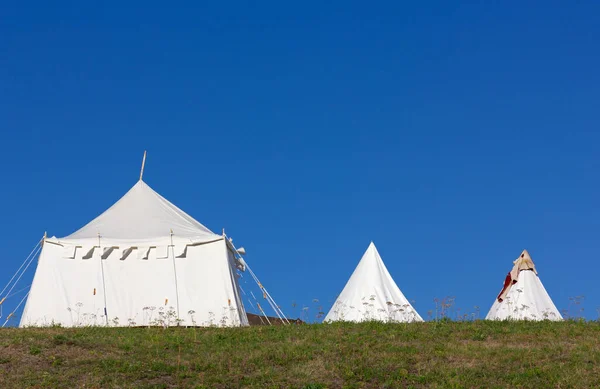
(369, 355)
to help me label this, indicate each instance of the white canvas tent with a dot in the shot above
(372, 294)
(141, 262)
(523, 297)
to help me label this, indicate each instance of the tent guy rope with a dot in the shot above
(266, 294)
(12, 283)
(20, 267)
(15, 310)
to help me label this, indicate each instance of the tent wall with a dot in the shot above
(139, 291)
(65, 292)
(372, 294)
(199, 288)
(207, 285)
(233, 275)
(526, 300)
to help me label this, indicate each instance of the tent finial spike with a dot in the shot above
(143, 163)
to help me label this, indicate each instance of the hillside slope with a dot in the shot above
(369, 355)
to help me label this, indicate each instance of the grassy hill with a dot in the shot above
(370, 355)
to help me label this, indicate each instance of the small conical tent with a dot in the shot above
(523, 297)
(372, 294)
(141, 262)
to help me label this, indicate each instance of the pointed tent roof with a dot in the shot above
(141, 215)
(523, 296)
(524, 262)
(372, 294)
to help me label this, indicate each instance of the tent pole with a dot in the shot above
(143, 163)
(103, 283)
(175, 274)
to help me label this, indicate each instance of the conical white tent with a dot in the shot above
(142, 262)
(523, 297)
(372, 294)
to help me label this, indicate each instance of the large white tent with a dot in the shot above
(372, 294)
(141, 262)
(523, 297)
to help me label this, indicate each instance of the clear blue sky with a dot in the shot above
(453, 136)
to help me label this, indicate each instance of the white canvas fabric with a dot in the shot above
(142, 262)
(372, 294)
(142, 215)
(526, 299)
